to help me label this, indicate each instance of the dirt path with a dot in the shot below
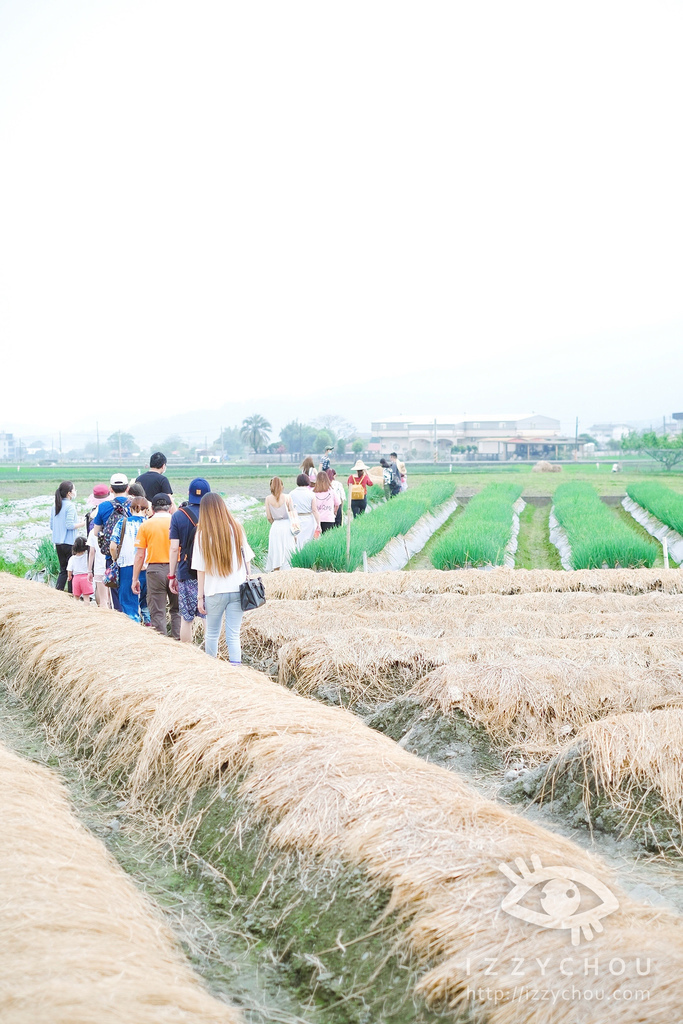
(213, 940)
(534, 550)
(422, 560)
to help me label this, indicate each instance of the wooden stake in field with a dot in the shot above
(665, 552)
(349, 517)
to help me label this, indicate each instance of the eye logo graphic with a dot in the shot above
(560, 898)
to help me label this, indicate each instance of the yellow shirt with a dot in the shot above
(154, 534)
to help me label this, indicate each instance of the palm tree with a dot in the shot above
(256, 431)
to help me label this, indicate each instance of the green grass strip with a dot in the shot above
(664, 504)
(372, 531)
(597, 536)
(257, 530)
(480, 535)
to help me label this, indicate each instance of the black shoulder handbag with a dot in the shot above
(252, 591)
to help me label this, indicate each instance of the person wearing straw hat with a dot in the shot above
(359, 481)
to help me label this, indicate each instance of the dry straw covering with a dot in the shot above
(444, 616)
(537, 704)
(374, 645)
(78, 943)
(628, 756)
(176, 722)
(305, 584)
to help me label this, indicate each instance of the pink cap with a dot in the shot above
(100, 491)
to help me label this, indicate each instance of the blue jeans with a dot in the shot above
(128, 601)
(217, 606)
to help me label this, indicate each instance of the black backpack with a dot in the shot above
(119, 511)
(186, 551)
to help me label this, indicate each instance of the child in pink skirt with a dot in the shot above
(77, 571)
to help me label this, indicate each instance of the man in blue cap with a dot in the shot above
(182, 578)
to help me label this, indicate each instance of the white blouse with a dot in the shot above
(221, 584)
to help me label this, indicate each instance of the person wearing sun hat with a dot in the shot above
(359, 481)
(182, 578)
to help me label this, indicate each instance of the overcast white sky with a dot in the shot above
(211, 201)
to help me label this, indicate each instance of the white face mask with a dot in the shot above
(73, 493)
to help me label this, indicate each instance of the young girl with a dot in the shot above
(77, 571)
(221, 556)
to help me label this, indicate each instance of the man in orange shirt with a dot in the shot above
(153, 544)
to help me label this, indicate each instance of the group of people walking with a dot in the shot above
(140, 555)
(146, 558)
(315, 504)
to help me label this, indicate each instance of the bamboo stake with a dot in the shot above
(349, 517)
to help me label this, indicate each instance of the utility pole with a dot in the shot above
(436, 446)
(97, 429)
(576, 435)
(119, 444)
(60, 446)
(221, 444)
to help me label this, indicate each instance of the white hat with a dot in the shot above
(119, 478)
(359, 465)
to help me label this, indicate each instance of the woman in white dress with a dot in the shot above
(305, 506)
(281, 541)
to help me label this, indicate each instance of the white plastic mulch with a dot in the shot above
(510, 550)
(558, 537)
(660, 531)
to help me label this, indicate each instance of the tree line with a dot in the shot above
(254, 435)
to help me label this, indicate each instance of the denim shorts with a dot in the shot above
(187, 600)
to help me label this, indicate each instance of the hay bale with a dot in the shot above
(546, 467)
(80, 942)
(330, 788)
(628, 771)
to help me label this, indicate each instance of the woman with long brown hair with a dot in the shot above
(308, 467)
(281, 540)
(221, 557)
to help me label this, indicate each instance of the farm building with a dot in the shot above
(427, 434)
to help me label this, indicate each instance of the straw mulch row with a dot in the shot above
(443, 617)
(366, 648)
(77, 941)
(537, 704)
(306, 584)
(170, 724)
(623, 773)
